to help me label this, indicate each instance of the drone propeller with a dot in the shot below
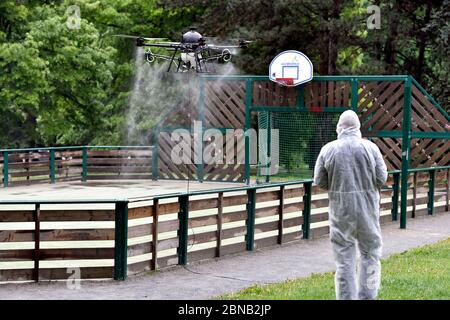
(163, 40)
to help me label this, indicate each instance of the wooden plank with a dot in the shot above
(201, 255)
(266, 227)
(267, 196)
(203, 221)
(139, 249)
(76, 254)
(140, 231)
(234, 200)
(28, 165)
(139, 267)
(319, 203)
(293, 222)
(267, 211)
(234, 232)
(319, 232)
(122, 169)
(203, 204)
(16, 235)
(29, 173)
(168, 261)
(169, 208)
(233, 248)
(168, 244)
(120, 177)
(234, 216)
(266, 242)
(319, 217)
(293, 236)
(293, 207)
(14, 255)
(140, 212)
(428, 106)
(122, 153)
(77, 215)
(16, 275)
(168, 226)
(16, 216)
(294, 193)
(75, 235)
(197, 238)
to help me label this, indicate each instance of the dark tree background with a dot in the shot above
(60, 86)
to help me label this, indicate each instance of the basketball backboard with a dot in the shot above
(291, 68)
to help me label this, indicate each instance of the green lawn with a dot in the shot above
(422, 273)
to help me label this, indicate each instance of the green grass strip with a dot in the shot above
(418, 274)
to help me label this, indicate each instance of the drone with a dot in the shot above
(191, 53)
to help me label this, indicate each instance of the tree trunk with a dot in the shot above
(422, 44)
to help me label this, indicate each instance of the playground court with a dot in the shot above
(233, 273)
(106, 190)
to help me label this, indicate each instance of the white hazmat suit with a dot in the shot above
(353, 170)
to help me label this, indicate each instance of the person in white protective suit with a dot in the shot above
(352, 169)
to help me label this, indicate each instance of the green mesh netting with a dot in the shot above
(301, 135)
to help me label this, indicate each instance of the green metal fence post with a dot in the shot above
(52, 166)
(447, 194)
(301, 98)
(269, 145)
(396, 187)
(183, 218)
(354, 88)
(155, 163)
(431, 184)
(5, 168)
(199, 149)
(250, 222)
(306, 226)
(84, 164)
(406, 146)
(248, 125)
(121, 240)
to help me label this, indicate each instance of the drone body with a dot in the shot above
(191, 53)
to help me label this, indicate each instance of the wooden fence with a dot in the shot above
(231, 102)
(48, 240)
(27, 166)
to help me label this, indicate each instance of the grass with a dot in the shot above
(417, 274)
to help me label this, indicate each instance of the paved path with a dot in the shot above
(232, 273)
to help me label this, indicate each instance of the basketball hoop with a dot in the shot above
(285, 82)
(290, 68)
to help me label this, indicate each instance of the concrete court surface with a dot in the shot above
(105, 189)
(229, 274)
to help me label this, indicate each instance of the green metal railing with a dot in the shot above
(404, 190)
(84, 159)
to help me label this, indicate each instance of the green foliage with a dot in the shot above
(72, 86)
